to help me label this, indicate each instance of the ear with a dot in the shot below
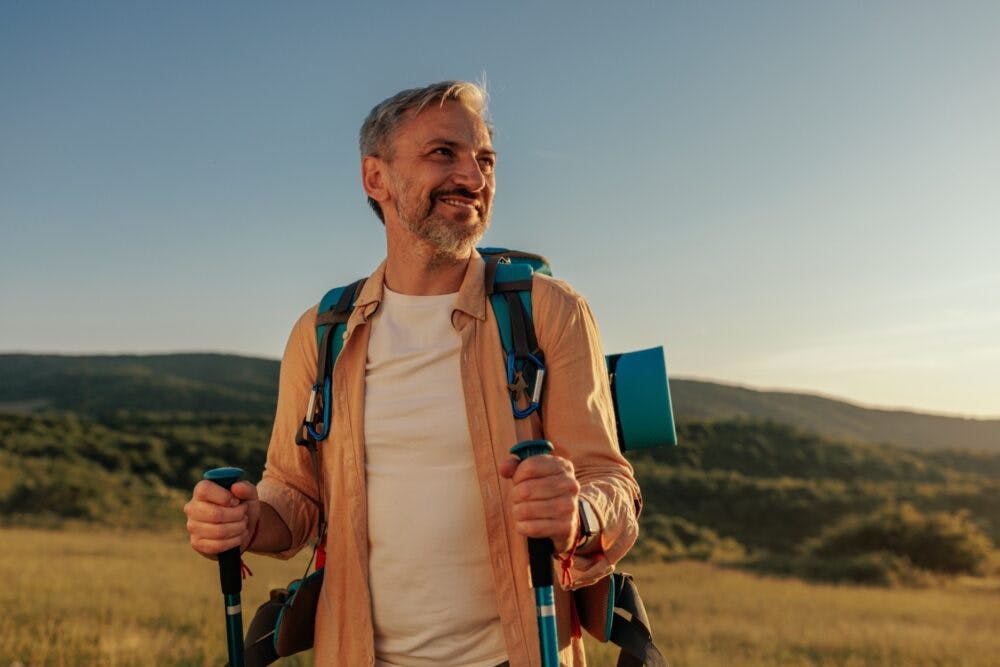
(373, 178)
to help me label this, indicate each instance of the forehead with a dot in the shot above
(452, 121)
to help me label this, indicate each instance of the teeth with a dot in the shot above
(454, 202)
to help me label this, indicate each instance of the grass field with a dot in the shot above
(80, 598)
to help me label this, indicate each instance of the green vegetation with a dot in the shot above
(759, 494)
(946, 543)
(836, 419)
(218, 383)
(120, 441)
(123, 469)
(792, 500)
(96, 385)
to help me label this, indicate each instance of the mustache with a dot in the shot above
(458, 192)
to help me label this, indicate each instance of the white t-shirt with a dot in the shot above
(433, 596)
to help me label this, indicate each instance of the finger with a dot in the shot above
(542, 466)
(210, 492)
(216, 531)
(211, 513)
(545, 488)
(508, 466)
(559, 509)
(210, 539)
(244, 491)
(557, 531)
(213, 548)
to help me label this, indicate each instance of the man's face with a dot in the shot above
(439, 178)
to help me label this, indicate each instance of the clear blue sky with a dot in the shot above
(792, 195)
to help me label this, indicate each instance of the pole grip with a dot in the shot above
(540, 559)
(540, 549)
(230, 575)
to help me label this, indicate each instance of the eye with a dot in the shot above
(487, 164)
(443, 150)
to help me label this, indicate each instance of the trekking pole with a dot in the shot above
(231, 576)
(540, 552)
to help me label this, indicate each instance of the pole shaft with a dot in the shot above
(231, 578)
(548, 639)
(540, 552)
(234, 629)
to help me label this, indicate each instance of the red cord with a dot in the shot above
(321, 555)
(566, 565)
(245, 570)
(253, 536)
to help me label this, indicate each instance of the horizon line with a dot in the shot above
(736, 384)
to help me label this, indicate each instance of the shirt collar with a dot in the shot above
(471, 298)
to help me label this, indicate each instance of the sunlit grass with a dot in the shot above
(80, 598)
(116, 599)
(705, 616)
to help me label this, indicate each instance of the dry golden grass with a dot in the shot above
(104, 598)
(704, 616)
(115, 599)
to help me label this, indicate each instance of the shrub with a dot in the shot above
(877, 568)
(671, 538)
(939, 542)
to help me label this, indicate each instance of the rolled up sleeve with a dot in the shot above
(288, 483)
(578, 418)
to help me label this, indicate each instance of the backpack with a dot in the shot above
(643, 414)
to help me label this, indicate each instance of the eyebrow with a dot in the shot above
(454, 144)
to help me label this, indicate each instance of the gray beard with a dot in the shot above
(450, 245)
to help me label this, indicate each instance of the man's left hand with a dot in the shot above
(544, 498)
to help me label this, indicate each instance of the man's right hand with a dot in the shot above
(218, 520)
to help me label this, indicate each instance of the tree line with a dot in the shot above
(758, 494)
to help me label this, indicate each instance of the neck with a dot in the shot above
(415, 268)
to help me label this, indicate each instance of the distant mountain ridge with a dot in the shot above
(223, 383)
(833, 418)
(161, 382)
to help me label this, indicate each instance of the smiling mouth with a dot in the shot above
(459, 203)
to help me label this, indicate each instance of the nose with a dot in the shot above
(469, 174)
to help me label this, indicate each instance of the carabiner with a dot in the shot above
(310, 421)
(534, 400)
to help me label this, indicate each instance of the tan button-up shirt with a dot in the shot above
(577, 417)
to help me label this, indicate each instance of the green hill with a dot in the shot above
(218, 383)
(120, 440)
(210, 383)
(833, 418)
(760, 493)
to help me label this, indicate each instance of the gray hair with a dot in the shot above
(375, 138)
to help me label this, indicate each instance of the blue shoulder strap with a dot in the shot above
(508, 284)
(331, 325)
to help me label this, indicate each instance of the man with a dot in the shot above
(428, 512)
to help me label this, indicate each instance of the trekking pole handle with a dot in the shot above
(540, 549)
(229, 561)
(231, 576)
